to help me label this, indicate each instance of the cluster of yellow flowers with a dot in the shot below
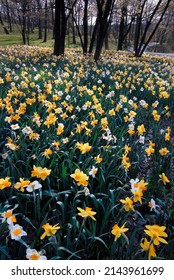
(156, 234)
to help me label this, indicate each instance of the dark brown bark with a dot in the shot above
(138, 25)
(60, 27)
(104, 20)
(94, 35)
(45, 21)
(8, 16)
(40, 27)
(85, 27)
(122, 28)
(2, 23)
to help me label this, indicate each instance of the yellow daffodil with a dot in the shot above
(148, 246)
(141, 129)
(128, 204)
(98, 159)
(163, 151)
(5, 183)
(40, 172)
(87, 212)
(164, 178)
(60, 128)
(137, 196)
(49, 230)
(150, 150)
(47, 153)
(118, 231)
(84, 148)
(80, 177)
(156, 232)
(22, 184)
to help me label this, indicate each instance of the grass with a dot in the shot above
(15, 38)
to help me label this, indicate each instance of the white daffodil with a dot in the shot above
(32, 254)
(16, 231)
(35, 185)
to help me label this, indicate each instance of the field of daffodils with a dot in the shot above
(86, 156)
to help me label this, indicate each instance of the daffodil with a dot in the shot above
(125, 161)
(87, 212)
(164, 178)
(128, 204)
(163, 151)
(98, 159)
(118, 231)
(47, 153)
(150, 149)
(8, 217)
(80, 177)
(35, 185)
(137, 196)
(22, 184)
(40, 172)
(16, 231)
(5, 183)
(141, 129)
(156, 234)
(152, 204)
(93, 171)
(32, 254)
(84, 148)
(148, 247)
(49, 230)
(60, 128)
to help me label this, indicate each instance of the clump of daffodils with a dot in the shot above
(157, 235)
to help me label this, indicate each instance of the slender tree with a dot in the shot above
(4, 27)
(61, 25)
(104, 16)
(85, 27)
(143, 37)
(46, 21)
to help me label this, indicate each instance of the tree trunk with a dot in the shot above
(73, 34)
(103, 25)
(121, 29)
(39, 7)
(24, 29)
(45, 22)
(94, 35)
(137, 31)
(107, 41)
(85, 27)
(2, 23)
(60, 27)
(8, 16)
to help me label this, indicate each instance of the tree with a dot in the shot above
(127, 17)
(46, 21)
(151, 23)
(4, 27)
(61, 25)
(85, 27)
(105, 9)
